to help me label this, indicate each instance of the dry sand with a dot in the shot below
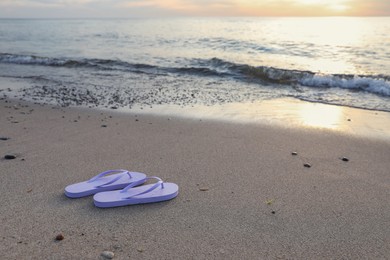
(243, 195)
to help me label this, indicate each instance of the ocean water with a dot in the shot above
(127, 63)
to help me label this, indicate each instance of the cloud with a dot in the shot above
(136, 8)
(373, 7)
(182, 5)
(241, 7)
(49, 3)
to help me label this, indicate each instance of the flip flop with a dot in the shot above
(131, 195)
(101, 182)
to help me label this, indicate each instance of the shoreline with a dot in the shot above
(242, 192)
(286, 113)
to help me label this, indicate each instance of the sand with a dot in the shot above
(243, 195)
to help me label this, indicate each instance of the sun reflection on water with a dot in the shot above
(288, 113)
(319, 115)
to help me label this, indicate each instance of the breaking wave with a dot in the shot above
(376, 84)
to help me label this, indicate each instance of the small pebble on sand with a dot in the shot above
(294, 153)
(108, 254)
(4, 138)
(307, 165)
(59, 237)
(345, 159)
(203, 189)
(9, 157)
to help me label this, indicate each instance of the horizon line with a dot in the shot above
(196, 16)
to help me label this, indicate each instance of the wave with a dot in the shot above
(376, 84)
(34, 60)
(55, 62)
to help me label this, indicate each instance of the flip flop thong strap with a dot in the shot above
(100, 175)
(159, 182)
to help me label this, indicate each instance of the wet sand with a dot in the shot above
(243, 194)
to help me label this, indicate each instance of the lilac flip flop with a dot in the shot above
(131, 195)
(102, 182)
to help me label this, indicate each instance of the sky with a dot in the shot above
(168, 8)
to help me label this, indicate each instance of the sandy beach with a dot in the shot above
(243, 195)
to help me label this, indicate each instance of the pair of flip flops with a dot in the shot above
(116, 188)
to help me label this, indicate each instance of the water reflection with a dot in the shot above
(319, 115)
(288, 113)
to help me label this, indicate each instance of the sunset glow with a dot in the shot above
(338, 6)
(158, 8)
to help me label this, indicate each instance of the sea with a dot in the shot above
(149, 62)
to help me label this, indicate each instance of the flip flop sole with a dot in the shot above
(117, 198)
(86, 188)
(72, 192)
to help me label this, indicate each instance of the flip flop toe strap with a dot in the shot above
(100, 175)
(153, 187)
